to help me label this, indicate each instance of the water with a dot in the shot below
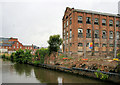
(22, 73)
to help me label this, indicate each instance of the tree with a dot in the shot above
(19, 56)
(54, 43)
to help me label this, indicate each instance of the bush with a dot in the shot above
(40, 54)
(36, 62)
(118, 55)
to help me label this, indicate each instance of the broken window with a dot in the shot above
(96, 33)
(103, 21)
(111, 45)
(96, 21)
(110, 22)
(104, 34)
(104, 45)
(88, 20)
(80, 32)
(111, 34)
(87, 45)
(96, 45)
(64, 25)
(79, 19)
(118, 35)
(80, 44)
(70, 20)
(67, 23)
(70, 44)
(70, 33)
(88, 33)
(64, 37)
(117, 23)
(67, 34)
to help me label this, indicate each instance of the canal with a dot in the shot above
(22, 73)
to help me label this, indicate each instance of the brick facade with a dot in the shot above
(81, 27)
(12, 44)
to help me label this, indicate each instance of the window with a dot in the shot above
(66, 17)
(111, 34)
(80, 44)
(20, 47)
(80, 32)
(79, 19)
(110, 22)
(70, 20)
(96, 45)
(87, 45)
(118, 45)
(17, 46)
(111, 45)
(104, 22)
(117, 23)
(118, 35)
(64, 25)
(70, 44)
(70, 33)
(96, 21)
(67, 22)
(0, 46)
(17, 43)
(64, 37)
(67, 34)
(14, 46)
(104, 45)
(88, 20)
(96, 33)
(104, 34)
(88, 33)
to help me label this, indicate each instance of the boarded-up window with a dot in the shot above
(88, 33)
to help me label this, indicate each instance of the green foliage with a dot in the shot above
(19, 56)
(62, 56)
(3, 56)
(101, 75)
(27, 56)
(54, 43)
(12, 57)
(118, 55)
(36, 62)
(41, 53)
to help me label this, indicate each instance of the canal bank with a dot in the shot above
(24, 73)
(96, 74)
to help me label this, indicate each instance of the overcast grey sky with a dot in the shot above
(33, 21)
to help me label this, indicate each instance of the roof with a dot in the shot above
(94, 12)
(6, 42)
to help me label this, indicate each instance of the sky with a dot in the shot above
(33, 21)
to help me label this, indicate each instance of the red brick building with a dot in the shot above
(12, 44)
(81, 27)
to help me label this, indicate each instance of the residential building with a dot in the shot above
(10, 45)
(82, 27)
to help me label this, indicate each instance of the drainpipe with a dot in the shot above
(115, 38)
(93, 34)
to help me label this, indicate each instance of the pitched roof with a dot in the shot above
(6, 42)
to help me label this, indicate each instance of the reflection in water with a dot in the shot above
(22, 73)
(22, 68)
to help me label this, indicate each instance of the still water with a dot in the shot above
(22, 73)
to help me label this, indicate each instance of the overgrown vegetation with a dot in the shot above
(40, 55)
(101, 75)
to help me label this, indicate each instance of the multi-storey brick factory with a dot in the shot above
(82, 27)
